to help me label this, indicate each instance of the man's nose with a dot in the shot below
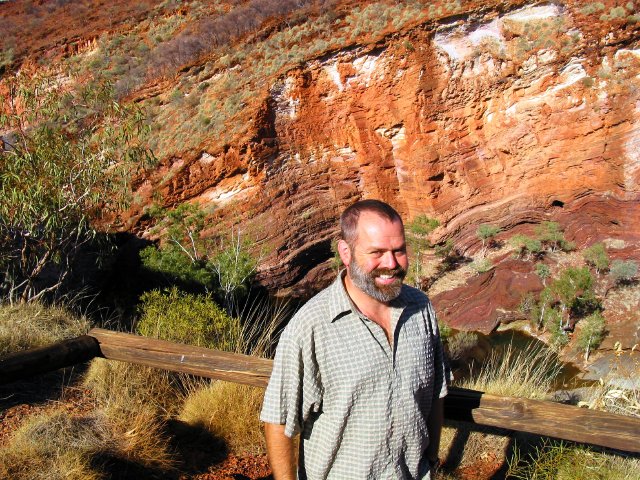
(389, 261)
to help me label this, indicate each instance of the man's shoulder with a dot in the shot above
(315, 311)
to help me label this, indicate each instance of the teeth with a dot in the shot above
(386, 277)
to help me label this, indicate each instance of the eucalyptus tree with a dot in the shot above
(69, 153)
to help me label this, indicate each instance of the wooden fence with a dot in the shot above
(533, 416)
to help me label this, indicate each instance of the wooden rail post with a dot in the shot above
(178, 357)
(46, 359)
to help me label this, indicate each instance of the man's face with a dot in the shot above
(378, 261)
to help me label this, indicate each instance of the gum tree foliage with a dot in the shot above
(548, 237)
(223, 264)
(543, 271)
(526, 246)
(417, 233)
(573, 290)
(551, 235)
(67, 158)
(596, 256)
(591, 333)
(181, 254)
(568, 298)
(486, 233)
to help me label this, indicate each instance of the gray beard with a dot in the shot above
(367, 283)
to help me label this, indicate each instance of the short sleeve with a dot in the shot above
(295, 389)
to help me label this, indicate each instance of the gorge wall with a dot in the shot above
(509, 113)
(510, 116)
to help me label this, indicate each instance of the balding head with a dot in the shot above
(349, 218)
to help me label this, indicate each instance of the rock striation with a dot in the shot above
(509, 116)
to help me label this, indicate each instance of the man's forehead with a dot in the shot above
(373, 226)
(368, 218)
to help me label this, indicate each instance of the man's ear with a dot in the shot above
(345, 252)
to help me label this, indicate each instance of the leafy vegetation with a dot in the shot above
(623, 271)
(596, 256)
(486, 234)
(70, 160)
(182, 254)
(591, 333)
(548, 237)
(525, 246)
(417, 232)
(222, 264)
(186, 318)
(568, 297)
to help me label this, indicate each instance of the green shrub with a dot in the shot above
(417, 232)
(445, 250)
(553, 322)
(551, 235)
(573, 290)
(186, 318)
(543, 271)
(225, 265)
(525, 245)
(590, 332)
(623, 271)
(445, 331)
(234, 267)
(486, 233)
(482, 265)
(596, 255)
(171, 262)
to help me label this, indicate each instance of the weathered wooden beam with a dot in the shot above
(25, 364)
(177, 357)
(551, 419)
(533, 416)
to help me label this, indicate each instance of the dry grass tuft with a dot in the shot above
(57, 445)
(553, 460)
(527, 373)
(122, 388)
(228, 411)
(32, 325)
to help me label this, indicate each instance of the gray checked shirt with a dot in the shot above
(360, 404)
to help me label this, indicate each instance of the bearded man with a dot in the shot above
(359, 371)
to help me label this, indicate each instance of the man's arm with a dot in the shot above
(280, 450)
(434, 426)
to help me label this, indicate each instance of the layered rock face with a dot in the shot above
(509, 117)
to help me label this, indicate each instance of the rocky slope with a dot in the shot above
(508, 113)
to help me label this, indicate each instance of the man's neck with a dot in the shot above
(373, 309)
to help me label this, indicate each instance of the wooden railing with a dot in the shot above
(532, 416)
